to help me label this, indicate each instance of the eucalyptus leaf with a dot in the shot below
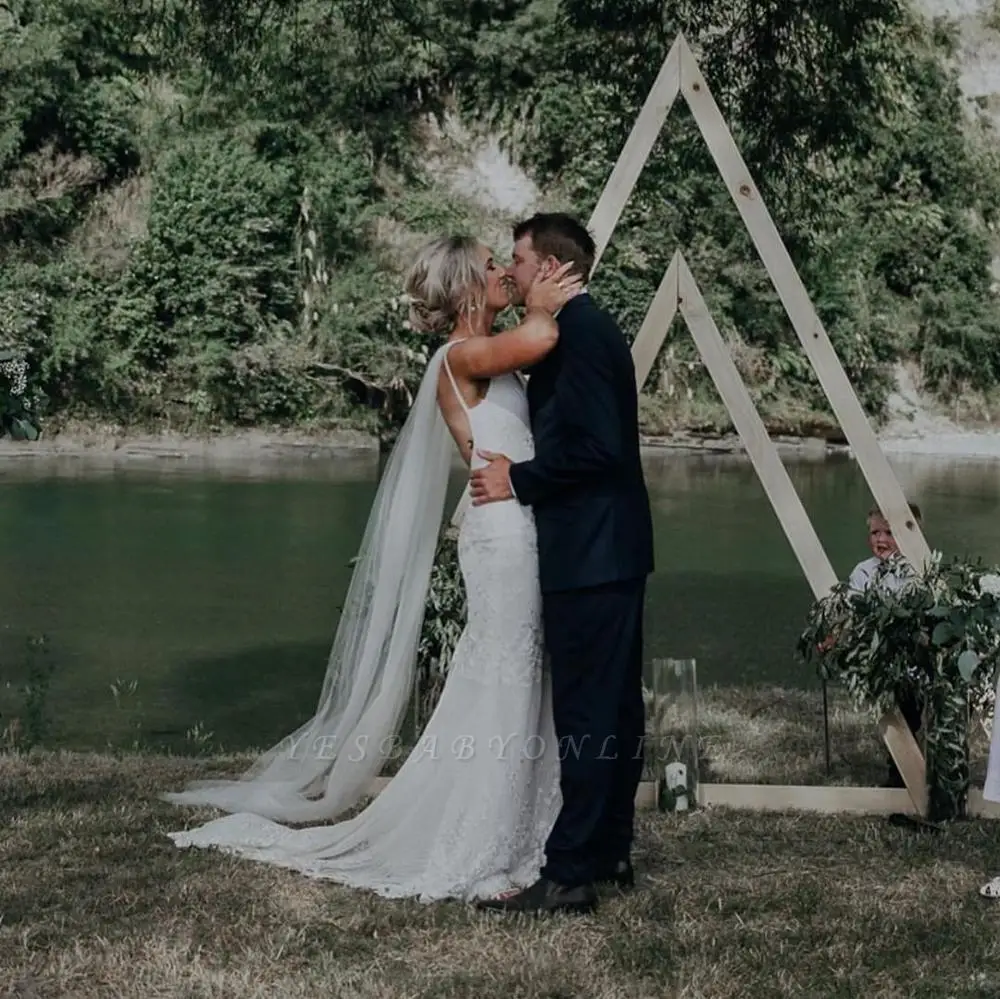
(967, 663)
(942, 634)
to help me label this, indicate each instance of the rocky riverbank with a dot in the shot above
(220, 447)
(279, 447)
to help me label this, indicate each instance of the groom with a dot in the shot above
(595, 548)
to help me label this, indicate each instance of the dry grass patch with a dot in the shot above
(96, 902)
(772, 735)
(48, 175)
(116, 223)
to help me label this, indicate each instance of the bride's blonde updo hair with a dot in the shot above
(446, 281)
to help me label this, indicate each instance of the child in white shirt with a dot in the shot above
(885, 549)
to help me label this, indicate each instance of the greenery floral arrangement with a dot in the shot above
(932, 632)
(16, 417)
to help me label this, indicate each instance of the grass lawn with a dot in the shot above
(96, 902)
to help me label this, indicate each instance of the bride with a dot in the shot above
(468, 813)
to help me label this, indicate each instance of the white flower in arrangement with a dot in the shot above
(941, 590)
(989, 583)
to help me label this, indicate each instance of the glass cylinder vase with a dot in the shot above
(672, 733)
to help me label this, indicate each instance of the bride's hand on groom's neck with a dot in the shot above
(549, 292)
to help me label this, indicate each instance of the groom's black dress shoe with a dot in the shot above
(621, 876)
(544, 896)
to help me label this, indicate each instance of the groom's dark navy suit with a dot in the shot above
(595, 549)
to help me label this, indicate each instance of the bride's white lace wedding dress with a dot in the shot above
(468, 813)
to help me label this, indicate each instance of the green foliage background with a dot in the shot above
(205, 207)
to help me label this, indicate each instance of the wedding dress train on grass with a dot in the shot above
(468, 813)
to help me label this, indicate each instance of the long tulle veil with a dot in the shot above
(326, 766)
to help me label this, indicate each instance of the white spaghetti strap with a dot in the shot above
(451, 377)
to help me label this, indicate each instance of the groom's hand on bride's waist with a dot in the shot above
(492, 483)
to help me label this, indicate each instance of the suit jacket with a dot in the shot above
(585, 483)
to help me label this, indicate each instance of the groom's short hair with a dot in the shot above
(555, 234)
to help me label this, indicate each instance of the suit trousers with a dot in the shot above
(595, 645)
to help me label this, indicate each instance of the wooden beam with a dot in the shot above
(907, 756)
(659, 317)
(828, 799)
(815, 341)
(767, 462)
(636, 150)
(825, 799)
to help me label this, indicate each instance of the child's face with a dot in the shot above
(880, 538)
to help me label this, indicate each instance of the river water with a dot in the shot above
(208, 595)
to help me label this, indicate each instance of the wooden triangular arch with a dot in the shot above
(678, 290)
(680, 75)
